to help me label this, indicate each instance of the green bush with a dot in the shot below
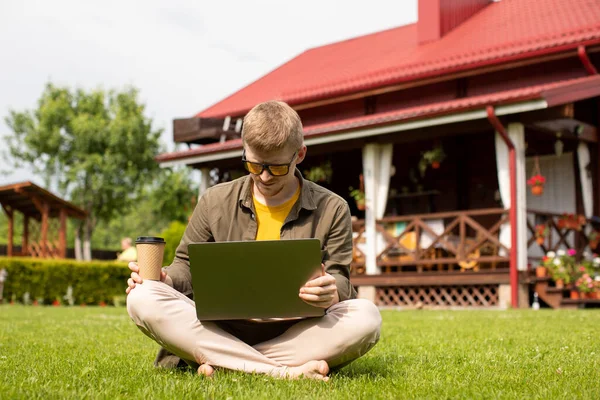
(92, 282)
(172, 236)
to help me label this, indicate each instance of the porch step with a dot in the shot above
(558, 297)
(580, 303)
(549, 295)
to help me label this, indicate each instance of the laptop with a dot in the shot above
(253, 279)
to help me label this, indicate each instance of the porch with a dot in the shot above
(456, 259)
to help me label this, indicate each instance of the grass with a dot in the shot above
(48, 353)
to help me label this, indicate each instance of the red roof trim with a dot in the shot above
(554, 93)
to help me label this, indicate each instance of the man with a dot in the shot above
(273, 202)
(129, 252)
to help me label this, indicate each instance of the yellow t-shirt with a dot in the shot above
(270, 219)
(129, 254)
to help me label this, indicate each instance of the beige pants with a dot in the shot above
(347, 331)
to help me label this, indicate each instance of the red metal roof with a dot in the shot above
(553, 93)
(503, 31)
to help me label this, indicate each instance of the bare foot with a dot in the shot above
(206, 370)
(311, 370)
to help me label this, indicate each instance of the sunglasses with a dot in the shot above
(273, 169)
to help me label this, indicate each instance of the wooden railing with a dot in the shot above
(449, 240)
(560, 237)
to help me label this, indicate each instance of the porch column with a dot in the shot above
(587, 191)
(377, 163)
(204, 181)
(25, 239)
(62, 234)
(516, 133)
(10, 215)
(369, 170)
(44, 229)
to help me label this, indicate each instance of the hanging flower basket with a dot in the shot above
(433, 158)
(537, 183)
(537, 180)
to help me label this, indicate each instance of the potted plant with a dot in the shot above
(547, 266)
(320, 173)
(571, 221)
(541, 271)
(586, 286)
(433, 158)
(574, 293)
(359, 197)
(541, 233)
(359, 194)
(561, 266)
(594, 239)
(537, 183)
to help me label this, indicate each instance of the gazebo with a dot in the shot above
(44, 219)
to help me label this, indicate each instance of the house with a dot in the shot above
(440, 124)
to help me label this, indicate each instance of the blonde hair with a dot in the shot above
(272, 125)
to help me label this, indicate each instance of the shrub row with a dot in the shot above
(93, 282)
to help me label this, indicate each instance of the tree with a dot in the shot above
(170, 198)
(173, 195)
(97, 146)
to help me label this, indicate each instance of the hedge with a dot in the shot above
(93, 282)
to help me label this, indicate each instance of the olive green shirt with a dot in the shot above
(225, 212)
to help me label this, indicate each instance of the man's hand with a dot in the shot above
(136, 278)
(321, 291)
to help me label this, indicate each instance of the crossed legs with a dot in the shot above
(347, 331)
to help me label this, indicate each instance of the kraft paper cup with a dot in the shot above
(150, 251)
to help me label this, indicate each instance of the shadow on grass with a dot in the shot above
(373, 367)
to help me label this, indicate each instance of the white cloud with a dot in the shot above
(183, 55)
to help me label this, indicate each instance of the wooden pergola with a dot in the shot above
(38, 204)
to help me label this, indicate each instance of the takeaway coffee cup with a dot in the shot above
(150, 251)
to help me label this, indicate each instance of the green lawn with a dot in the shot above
(79, 353)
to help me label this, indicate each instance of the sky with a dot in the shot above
(182, 55)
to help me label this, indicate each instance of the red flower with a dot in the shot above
(536, 180)
(102, 304)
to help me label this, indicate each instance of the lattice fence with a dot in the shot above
(35, 245)
(438, 296)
